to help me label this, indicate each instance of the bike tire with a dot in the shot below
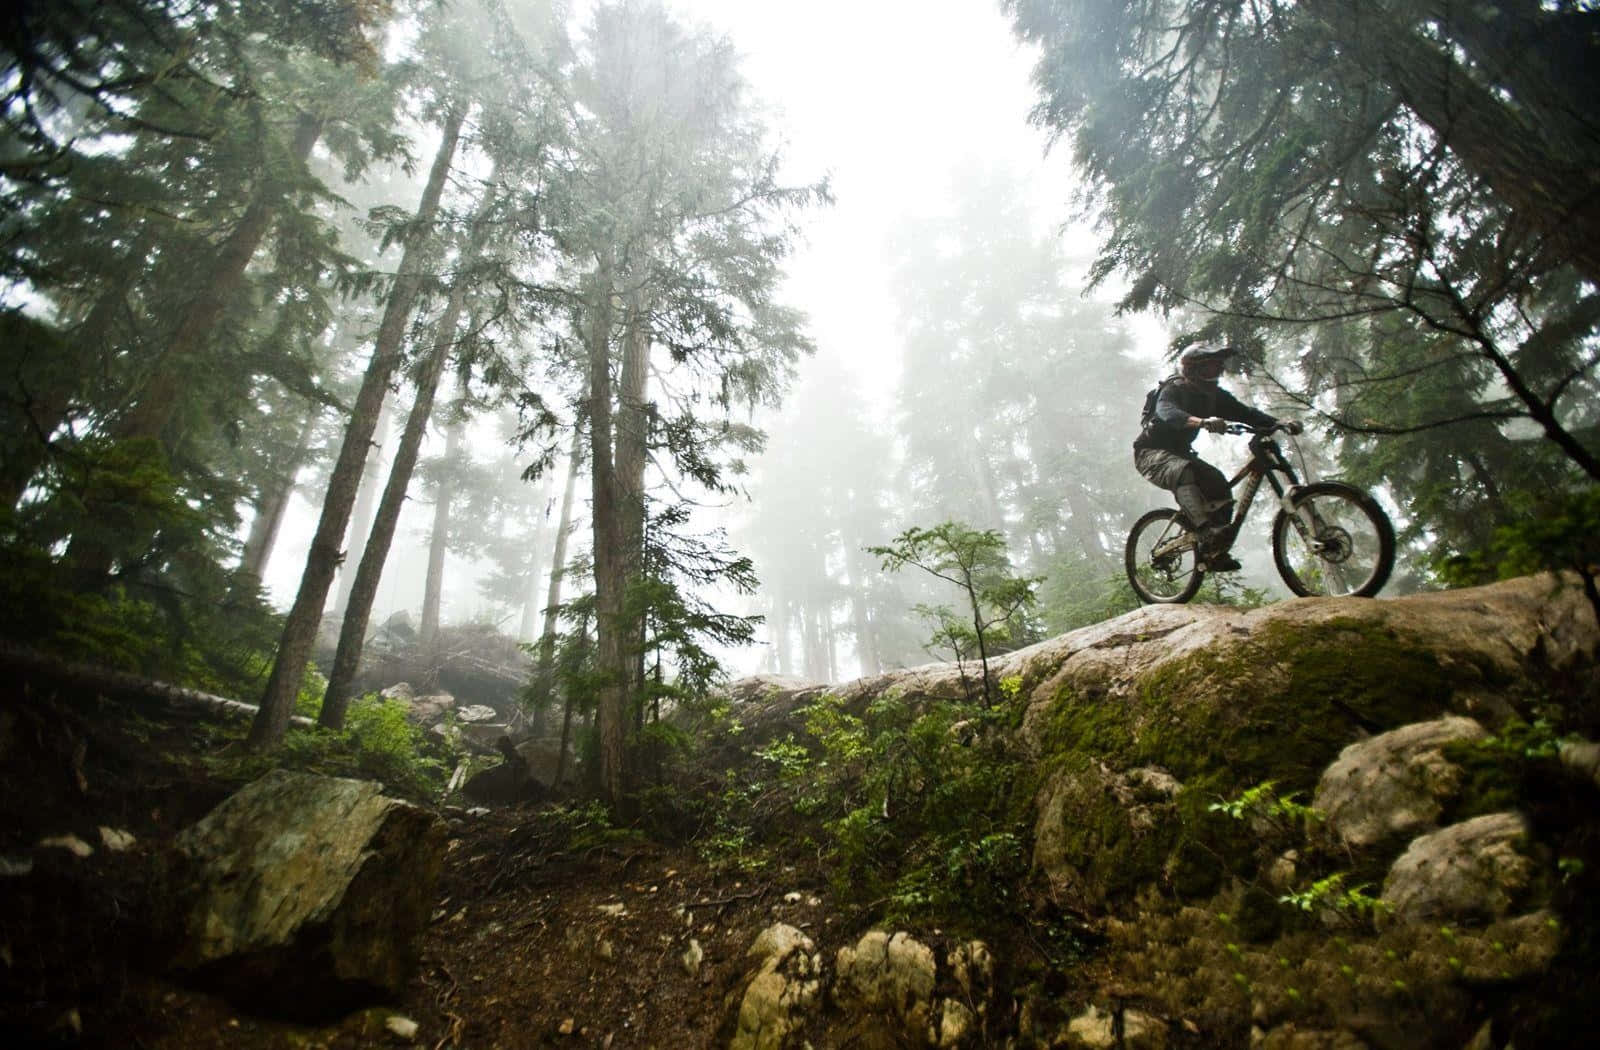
(1172, 580)
(1352, 552)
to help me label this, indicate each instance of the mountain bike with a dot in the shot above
(1329, 538)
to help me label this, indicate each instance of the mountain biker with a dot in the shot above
(1164, 454)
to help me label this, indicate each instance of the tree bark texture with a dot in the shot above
(353, 630)
(439, 535)
(632, 438)
(545, 672)
(610, 573)
(355, 539)
(300, 627)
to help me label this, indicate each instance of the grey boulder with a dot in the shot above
(304, 895)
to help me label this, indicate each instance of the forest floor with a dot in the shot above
(532, 943)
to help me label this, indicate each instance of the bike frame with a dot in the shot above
(1267, 462)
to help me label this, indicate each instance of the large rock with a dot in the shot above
(1472, 871)
(1394, 784)
(1093, 826)
(1146, 739)
(885, 983)
(1222, 699)
(1097, 1029)
(305, 894)
(773, 1003)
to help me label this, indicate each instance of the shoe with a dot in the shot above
(1222, 562)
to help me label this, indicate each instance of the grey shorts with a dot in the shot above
(1168, 470)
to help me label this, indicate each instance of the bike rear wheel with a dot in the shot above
(1336, 541)
(1161, 558)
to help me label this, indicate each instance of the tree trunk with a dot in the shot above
(155, 406)
(355, 538)
(866, 644)
(527, 630)
(982, 472)
(152, 412)
(610, 570)
(632, 435)
(433, 586)
(832, 650)
(300, 627)
(812, 619)
(544, 674)
(353, 631)
(273, 502)
(778, 628)
(566, 708)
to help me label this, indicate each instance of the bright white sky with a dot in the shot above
(886, 97)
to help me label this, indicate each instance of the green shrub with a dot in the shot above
(925, 806)
(378, 743)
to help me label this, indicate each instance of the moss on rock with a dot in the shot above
(1276, 704)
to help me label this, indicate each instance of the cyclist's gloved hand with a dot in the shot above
(1215, 424)
(1290, 426)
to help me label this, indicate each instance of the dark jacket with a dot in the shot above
(1179, 399)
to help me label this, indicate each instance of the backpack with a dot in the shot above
(1150, 399)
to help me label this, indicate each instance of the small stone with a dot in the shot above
(792, 898)
(606, 950)
(616, 911)
(71, 843)
(116, 840)
(404, 1027)
(567, 1026)
(692, 957)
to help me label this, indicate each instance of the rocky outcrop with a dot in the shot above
(886, 983)
(1283, 823)
(506, 784)
(1394, 784)
(775, 999)
(305, 893)
(1474, 871)
(884, 988)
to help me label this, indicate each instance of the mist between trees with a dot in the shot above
(262, 246)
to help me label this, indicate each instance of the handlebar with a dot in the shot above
(1246, 428)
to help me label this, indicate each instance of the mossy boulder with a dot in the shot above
(1141, 740)
(1221, 699)
(306, 895)
(1394, 784)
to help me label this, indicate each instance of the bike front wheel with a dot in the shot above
(1335, 541)
(1161, 560)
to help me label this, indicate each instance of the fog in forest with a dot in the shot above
(952, 249)
(649, 334)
